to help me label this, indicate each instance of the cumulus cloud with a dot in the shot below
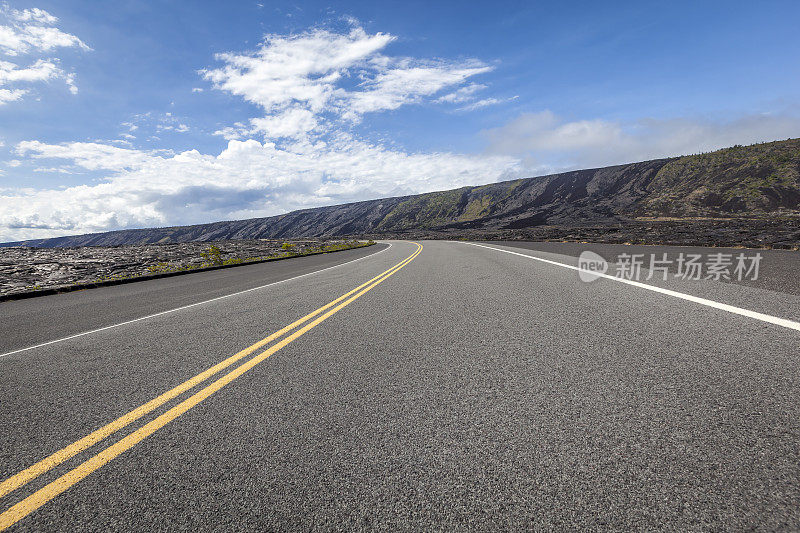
(11, 95)
(41, 70)
(553, 143)
(295, 70)
(291, 123)
(18, 39)
(32, 31)
(246, 179)
(305, 83)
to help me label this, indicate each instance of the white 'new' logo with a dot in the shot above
(591, 264)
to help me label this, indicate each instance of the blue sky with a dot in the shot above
(162, 113)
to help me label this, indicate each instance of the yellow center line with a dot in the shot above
(21, 478)
(53, 489)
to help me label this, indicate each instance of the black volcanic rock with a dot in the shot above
(23, 269)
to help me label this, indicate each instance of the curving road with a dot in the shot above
(440, 385)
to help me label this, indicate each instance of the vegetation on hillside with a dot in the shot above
(742, 179)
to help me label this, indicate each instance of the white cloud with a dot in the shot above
(486, 102)
(11, 95)
(25, 32)
(308, 82)
(41, 70)
(69, 79)
(547, 139)
(246, 179)
(294, 70)
(462, 94)
(31, 30)
(235, 132)
(33, 15)
(91, 156)
(53, 170)
(197, 89)
(292, 123)
(24, 39)
(467, 96)
(407, 83)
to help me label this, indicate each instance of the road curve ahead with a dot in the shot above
(432, 385)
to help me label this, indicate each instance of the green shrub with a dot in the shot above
(212, 255)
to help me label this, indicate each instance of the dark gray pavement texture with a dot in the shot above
(779, 269)
(472, 390)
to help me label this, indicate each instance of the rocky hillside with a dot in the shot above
(740, 182)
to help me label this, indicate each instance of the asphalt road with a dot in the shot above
(467, 389)
(778, 272)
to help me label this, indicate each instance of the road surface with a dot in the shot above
(439, 385)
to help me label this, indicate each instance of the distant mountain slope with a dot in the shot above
(757, 180)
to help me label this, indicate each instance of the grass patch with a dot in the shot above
(212, 257)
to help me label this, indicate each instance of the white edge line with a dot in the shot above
(191, 305)
(696, 299)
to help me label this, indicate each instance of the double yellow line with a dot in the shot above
(53, 489)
